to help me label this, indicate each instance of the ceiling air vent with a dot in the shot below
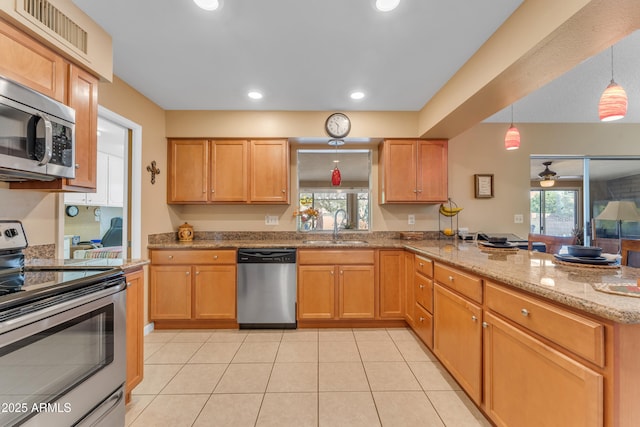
(49, 16)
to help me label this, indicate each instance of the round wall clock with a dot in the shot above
(338, 125)
(72, 211)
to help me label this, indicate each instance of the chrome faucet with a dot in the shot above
(336, 227)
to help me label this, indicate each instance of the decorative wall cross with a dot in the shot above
(154, 171)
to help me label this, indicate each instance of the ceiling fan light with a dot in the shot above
(512, 138)
(207, 4)
(547, 183)
(613, 103)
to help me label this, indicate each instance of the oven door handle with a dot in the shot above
(102, 411)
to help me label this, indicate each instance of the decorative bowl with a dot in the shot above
(584, 251)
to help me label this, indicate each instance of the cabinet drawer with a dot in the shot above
(330, 256)
(193, 256)
(424, 292)
(424, 266)
(466, 284)
(424, 325)
(577, 334)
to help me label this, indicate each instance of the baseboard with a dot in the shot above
(149, 328)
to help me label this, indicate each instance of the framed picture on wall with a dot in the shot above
(483, 185)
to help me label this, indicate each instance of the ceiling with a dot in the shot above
(303, 55)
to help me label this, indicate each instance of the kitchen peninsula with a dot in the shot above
(516, 330)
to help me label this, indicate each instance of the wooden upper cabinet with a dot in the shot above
(413, 171)
(228, 171)
(83, 97)
(26, 61)
(270, 171)
(188, 171)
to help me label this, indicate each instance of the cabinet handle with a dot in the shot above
(215, 257)
(422, 319)
(77, 165)
(284, 191)
(332, 273)
(485, 325)
(128, 284)
(419, 191)
(451, 278)
(213, 191)
(170, 256)
(421, 264)
(187, 273)
(474, 318)
(415, 191)
(421, 286)
(341, 271)
(524, 312)
(197, 273)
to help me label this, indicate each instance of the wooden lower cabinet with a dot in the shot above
(336, 292)
(423, 324)
(192, 285)
(457, 339)
(392, 283)
(135, 330)
(527, 383)
(215, 292)
(170, 292)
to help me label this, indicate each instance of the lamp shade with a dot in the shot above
(547, 183)
(620, 211)
(512, 138)
(613, 103)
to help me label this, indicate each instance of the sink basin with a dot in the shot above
(335, 242)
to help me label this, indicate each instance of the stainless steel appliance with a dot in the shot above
(267, 288)
(62, 341)
(36, 135)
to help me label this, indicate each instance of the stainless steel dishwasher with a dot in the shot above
(267, 288)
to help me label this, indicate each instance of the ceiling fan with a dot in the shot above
(547, 176)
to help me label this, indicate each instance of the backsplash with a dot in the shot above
(40, 251)
(281, 235)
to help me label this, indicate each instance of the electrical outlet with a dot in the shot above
(271, 220)
(412, 219)
(518, 218)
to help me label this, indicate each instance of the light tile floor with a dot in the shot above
(325, 377)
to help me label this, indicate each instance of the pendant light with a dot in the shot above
(336, 177)
(613, 102)
(512, 138)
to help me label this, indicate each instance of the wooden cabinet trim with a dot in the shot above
(337, 256)
(193, 256)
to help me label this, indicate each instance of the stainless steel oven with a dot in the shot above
(62, 347)
(36, 135)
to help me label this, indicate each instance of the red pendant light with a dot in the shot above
(613, 102)
(512, 138)
(336, 178)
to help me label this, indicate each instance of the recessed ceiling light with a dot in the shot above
(357, 95)
(208, 4)
(254, 95)
(386, 5)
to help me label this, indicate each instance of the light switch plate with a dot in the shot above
(271, 220)
(412, 219)
(518, 218)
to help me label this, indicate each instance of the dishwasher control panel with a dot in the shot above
(267, 256)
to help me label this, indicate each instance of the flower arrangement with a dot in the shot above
(307, 214)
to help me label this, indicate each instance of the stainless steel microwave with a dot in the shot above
(37, 135)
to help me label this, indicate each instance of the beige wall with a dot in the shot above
(481, 150)
(36, 210)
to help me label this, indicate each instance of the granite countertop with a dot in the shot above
(124, 264)
(534, 272)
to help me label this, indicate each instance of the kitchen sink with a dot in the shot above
(335, 242)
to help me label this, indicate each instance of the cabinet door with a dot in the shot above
(188, 171)
(100, 197)
(135, 329)
(26, 61)
(215, 292)
(457, 339)
(399, 170)
(356, 287)
(83, 97)
(391, 284)
(409, 300)
(316, 292)
(270, 171)
(530, 384)
(170, 292)
(432, 171)
(229, 171)
(424, 325)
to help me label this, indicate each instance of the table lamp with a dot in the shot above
(620, 211)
